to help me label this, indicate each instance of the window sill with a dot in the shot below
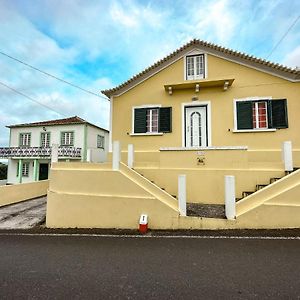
(254, 130)
(146, 133)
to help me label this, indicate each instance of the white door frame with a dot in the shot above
(208, 118)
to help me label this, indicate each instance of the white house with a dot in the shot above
(30, 144)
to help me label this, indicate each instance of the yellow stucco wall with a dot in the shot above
(248, 83)
(19, 192)
(120, 205)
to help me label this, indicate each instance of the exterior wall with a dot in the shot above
(98, 155)
(86, 196)
(76, 199)
(55, 134)
(248, 83)
(16, 193)
(12, 177)
(85, 137)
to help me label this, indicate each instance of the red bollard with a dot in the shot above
(143, 225)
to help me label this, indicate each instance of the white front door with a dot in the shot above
(195, 126)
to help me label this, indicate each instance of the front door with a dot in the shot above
(196, 126)
(43, 171)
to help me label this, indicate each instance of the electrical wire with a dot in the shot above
(31, 99)
(52, 76)
(282, 38)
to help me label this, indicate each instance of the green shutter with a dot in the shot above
(140, 125)
(278, 113)
(244, 115)
(165, 119)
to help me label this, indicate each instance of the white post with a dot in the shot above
(89, 155)
(230, 197)
(54, 153)
(288, 156)
(182, 194)
(116, 156)
(130, 158)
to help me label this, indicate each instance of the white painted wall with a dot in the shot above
(55, 134)
(98, 155)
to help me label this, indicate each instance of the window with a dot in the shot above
(25, 139)
(195, 67)
(25, 169)
(261, 114)
(67, 138)
(152, 120)
(100, 141)
(45, 139)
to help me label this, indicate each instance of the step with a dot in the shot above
(273, 179)
(206, 210)
(238, 199)
(260, 186)
(247, 193)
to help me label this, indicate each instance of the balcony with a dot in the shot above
(39, 152)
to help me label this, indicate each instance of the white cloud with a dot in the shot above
(293, 58)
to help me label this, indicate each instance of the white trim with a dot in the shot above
(151, 236)
(203, 148)
(206, 75)
(146, 133)
(254, 98)
(254, 130)
(208, 116)
(132, 118)
(110, 124)
(191, 53)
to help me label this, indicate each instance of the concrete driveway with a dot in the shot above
(23, 215)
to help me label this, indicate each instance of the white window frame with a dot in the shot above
(255, 98)
(47, 139)
(132, 119)
(67, 141)
(257, 114)
(25, 139)
(25, 169)
(208, 111)
(151, 119)
(195, 53)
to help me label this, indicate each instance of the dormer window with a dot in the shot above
(195, 67)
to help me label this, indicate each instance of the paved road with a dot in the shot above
(69, 267)
(23, 215)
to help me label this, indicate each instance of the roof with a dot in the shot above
(67, 121)
(226, 53)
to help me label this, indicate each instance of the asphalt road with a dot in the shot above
(69, 267)
(23, 215)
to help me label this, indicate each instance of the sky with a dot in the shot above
(98, 44)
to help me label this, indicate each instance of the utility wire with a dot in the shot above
(55, 77)
(282, 38)
(31, 99)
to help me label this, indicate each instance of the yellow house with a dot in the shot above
(208, 112)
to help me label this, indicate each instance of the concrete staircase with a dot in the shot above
(259, 187)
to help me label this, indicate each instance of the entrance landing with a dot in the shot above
(206, 210)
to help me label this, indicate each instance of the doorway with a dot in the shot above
(43, 171)
(196, 126)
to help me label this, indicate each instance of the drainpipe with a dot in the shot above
(20, 170)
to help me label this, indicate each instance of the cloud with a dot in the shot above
(293, 58)
(99, 44)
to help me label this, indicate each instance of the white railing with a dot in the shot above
(8, 152)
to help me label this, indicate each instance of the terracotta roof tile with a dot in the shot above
(65, 121)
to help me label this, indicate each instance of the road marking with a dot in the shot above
(157, 236)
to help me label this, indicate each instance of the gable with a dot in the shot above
(277, 70)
